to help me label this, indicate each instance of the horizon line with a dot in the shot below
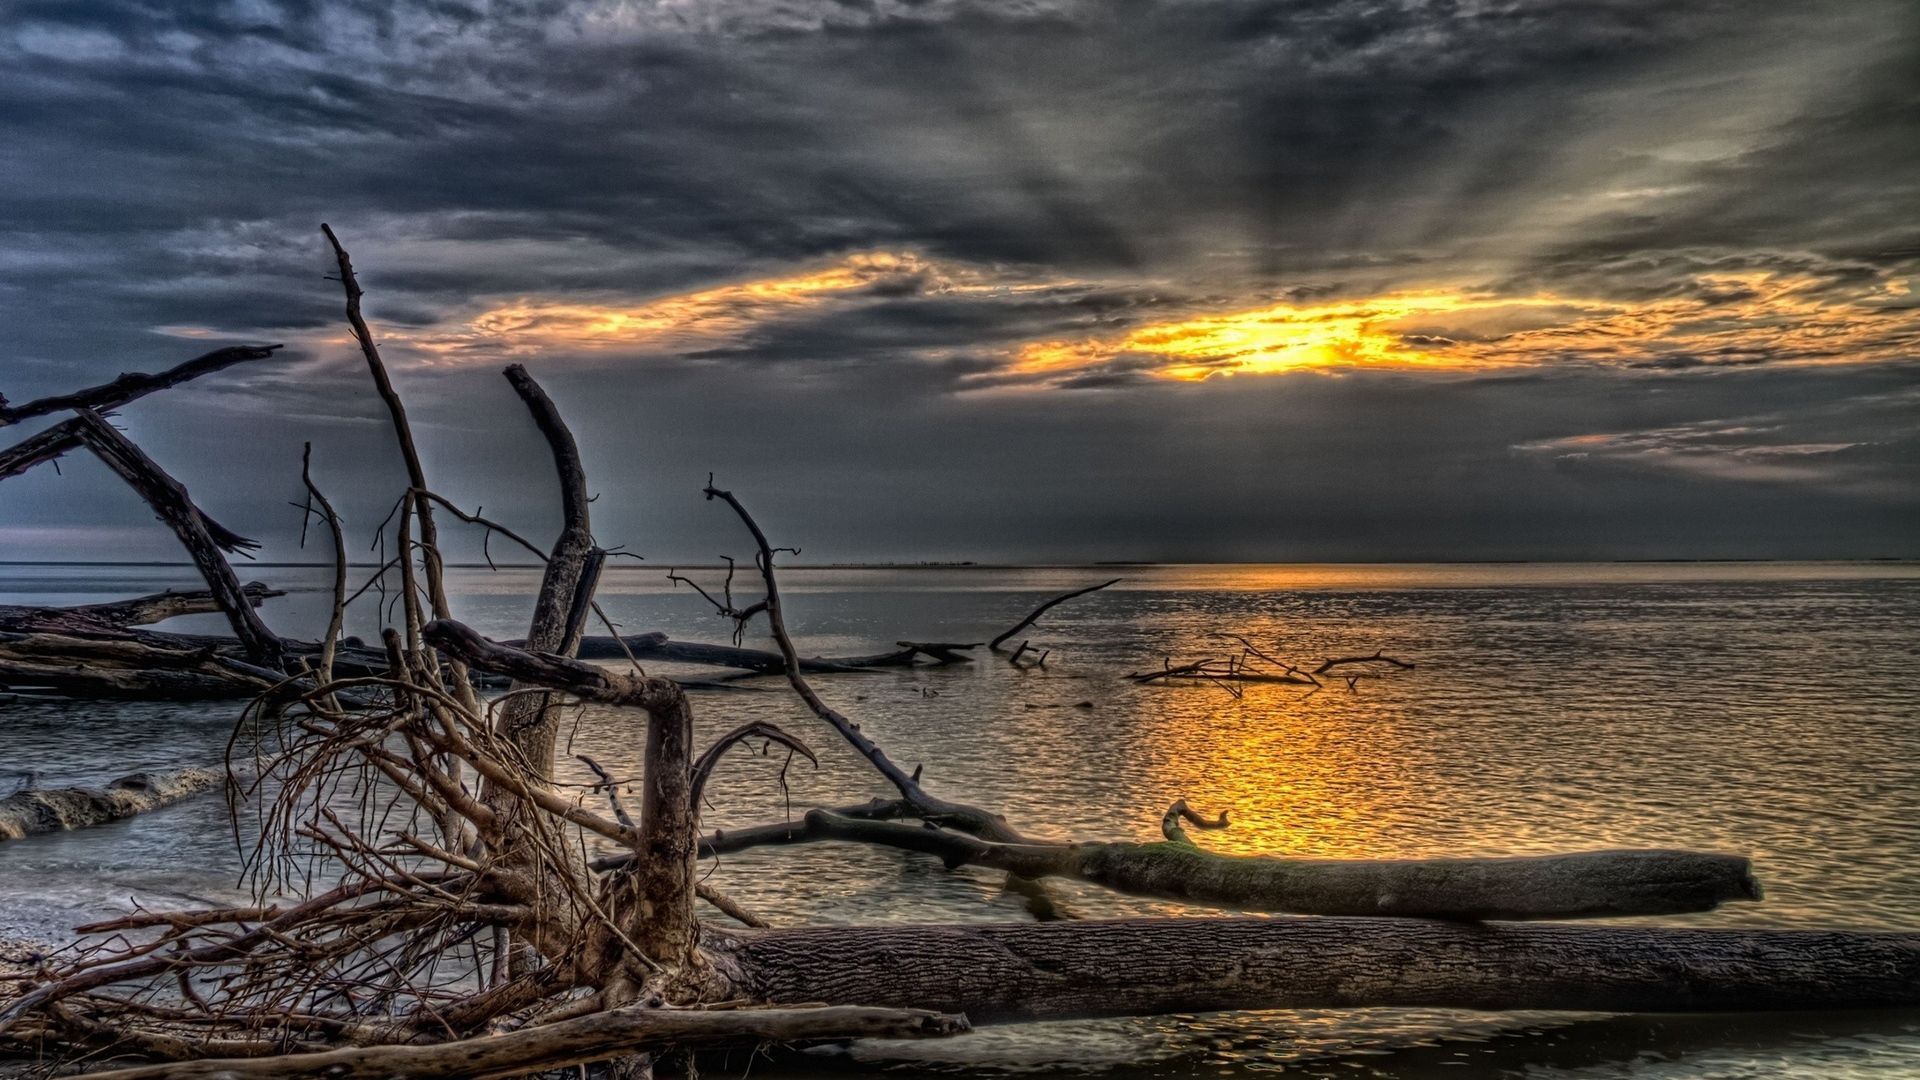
(1111, 564)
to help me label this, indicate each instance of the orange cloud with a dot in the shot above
(1721, 318)
(706, 317)
(1707, 318)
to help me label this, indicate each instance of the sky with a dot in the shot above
(1032, 280)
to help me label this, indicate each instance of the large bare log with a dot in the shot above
(201, 537)
(1596, 884)
(116, 615)
(579, 1041)
(669, 831)
(25, 813)
(112, 667)
(1012, 972)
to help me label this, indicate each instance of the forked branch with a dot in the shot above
(1043, 609)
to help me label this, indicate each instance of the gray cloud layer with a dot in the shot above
(1056, 170)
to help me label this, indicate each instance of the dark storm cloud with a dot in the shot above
(1059, 171)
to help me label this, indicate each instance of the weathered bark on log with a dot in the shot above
(25, 813)
(124, 667)
(669, 831)
(566, 586)
(116, 615)
(1596, 884)
(579, 1041)
(1005, 973)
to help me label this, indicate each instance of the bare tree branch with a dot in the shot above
(133, 385)
(1043, 609)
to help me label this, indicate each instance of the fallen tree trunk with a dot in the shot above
(117, 615)
(657, 646)
(1596, 884)
(118, 667)
(564, 1043)
(25, 813)
(1012, 972)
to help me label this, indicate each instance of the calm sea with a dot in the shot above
(1771, 709)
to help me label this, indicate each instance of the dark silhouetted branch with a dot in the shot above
(203, 539)
(62, 438)
(132, 385)
(1043, 609)
(1376, 658)
(970, 818)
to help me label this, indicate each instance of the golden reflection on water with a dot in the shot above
(1286, 769)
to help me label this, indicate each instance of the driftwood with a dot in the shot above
(1252, 665)
(578, 1041)
(1378, 657)
(205, 540)
(1034, 615)
(133, 385)
(64, 437)
(417, 502)
(25, 813)
(1009, 973)
(108, 667)
(39, 448)
(566, 586)
(657, 646)
(1596, 884)
(115, 616)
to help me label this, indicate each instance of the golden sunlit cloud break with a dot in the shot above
(1737, 317)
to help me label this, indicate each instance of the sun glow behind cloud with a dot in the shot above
(1373, 332)
(1714, 317)
(1721, 318)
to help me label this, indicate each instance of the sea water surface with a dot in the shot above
(1765, 708)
